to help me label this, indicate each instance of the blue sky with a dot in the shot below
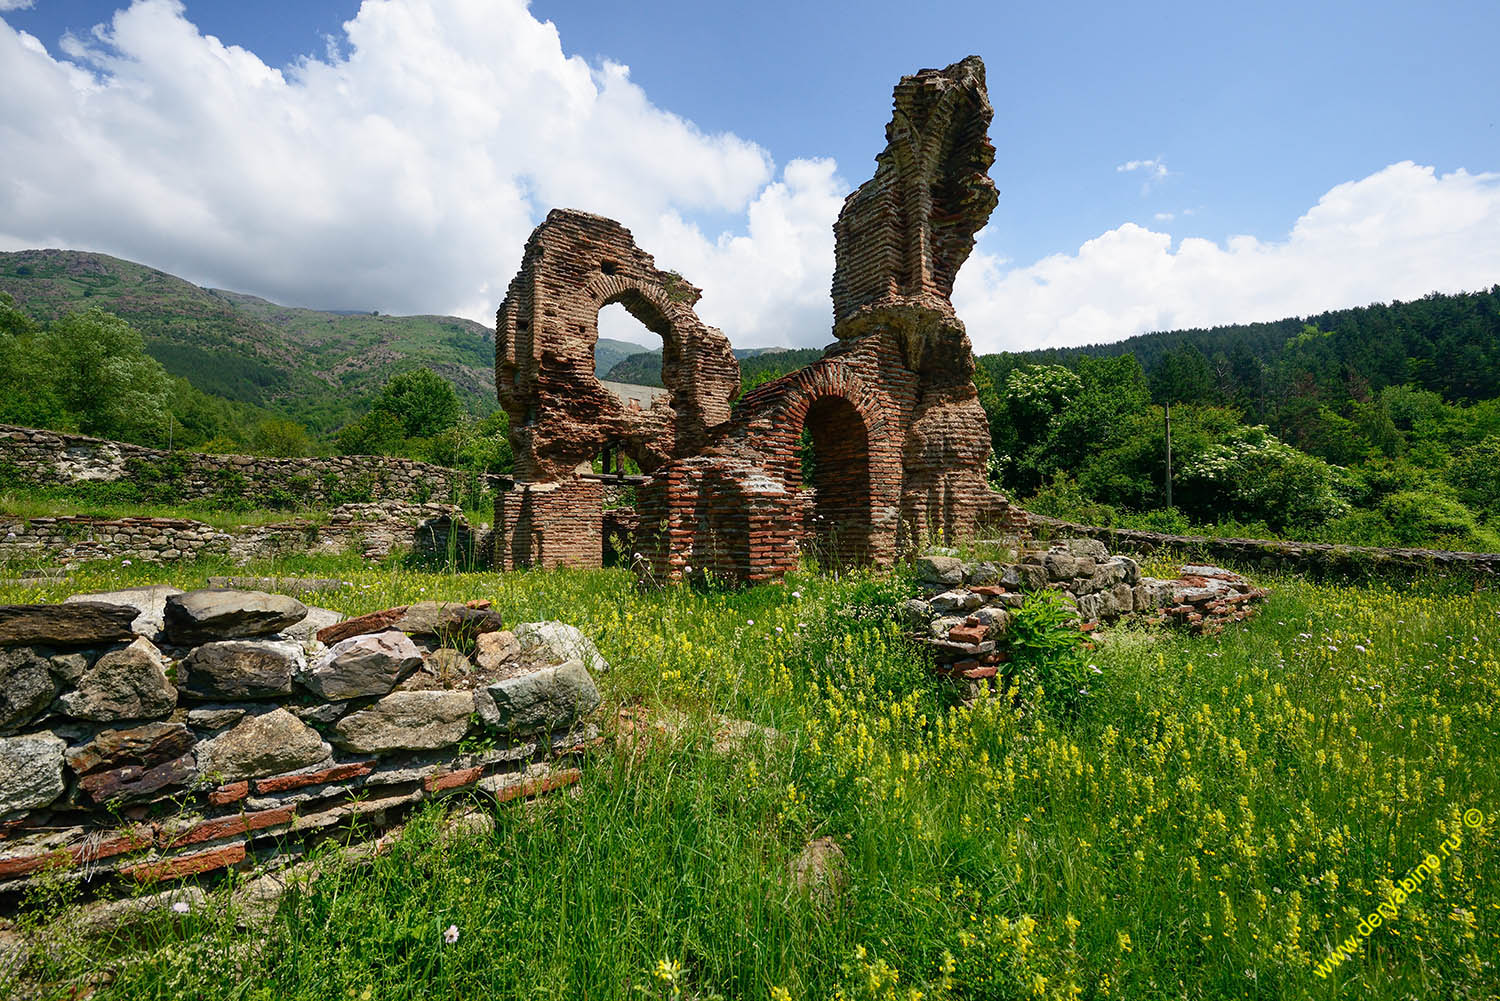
(1311, 155)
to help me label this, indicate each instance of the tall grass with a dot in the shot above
(1218, 813)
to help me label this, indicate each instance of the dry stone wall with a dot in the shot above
(152, 733)
(55, 458)
(430, 531)
(1277, 554)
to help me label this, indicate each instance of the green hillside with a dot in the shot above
(609, 352)
(757, 365)
(316, 367)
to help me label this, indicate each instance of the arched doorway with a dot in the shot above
(832, 465)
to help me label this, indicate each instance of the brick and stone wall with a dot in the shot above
(151, 733)
(965, 613)
(55, 458)
(375, 530)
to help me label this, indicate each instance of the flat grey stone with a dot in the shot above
(408, 721)
(82, 623)
(27, 689)
(545, 699)
(557, 643)
(222, 614)
(945, 570)
(214, 717)
(69, 667)
(241, 669)
(123, 684)
(1091, 548)
(268, 744)
(150, 604)
(997, 619)
(317, 618)
(31, 771)
(979, 574)
(955, 602)
(370, 664)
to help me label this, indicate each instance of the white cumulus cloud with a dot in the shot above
(1155, 168)
(1400, 233)
(401, 171)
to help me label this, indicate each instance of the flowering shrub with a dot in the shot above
(1253, 474)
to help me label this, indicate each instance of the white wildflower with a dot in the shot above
(450, 935)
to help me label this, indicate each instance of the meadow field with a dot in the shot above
(1208, 818)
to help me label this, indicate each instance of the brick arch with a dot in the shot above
(858, 472)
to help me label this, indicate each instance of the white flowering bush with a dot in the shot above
(1254, 474)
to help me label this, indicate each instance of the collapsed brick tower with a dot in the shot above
(900, 440)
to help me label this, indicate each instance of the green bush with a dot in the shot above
(1418, 517)
(1047, 656)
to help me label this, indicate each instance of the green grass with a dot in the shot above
(1222, 811)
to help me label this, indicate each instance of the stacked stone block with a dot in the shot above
(152, 733)
(53, 458)
(966, 611)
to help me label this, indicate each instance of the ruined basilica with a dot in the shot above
(900, 439)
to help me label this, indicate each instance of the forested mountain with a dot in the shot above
(1449, 344)
(318, 368)
(757, 365)
(1375, 425)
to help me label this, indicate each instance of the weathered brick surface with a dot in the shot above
(902, 442)
(228, 827)
(338, 773)
(187, 865)
(230, 793)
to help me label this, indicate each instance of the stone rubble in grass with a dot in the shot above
(968, 607)
(241, 737)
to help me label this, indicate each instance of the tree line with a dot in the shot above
(1378, 425)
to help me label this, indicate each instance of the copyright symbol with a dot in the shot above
(1473, 817)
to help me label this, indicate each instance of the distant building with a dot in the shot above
(635, 396)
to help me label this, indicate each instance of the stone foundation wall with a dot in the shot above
(1271, 554)
(375, 530)
(965, 615)
(54, 458)
(150, 734)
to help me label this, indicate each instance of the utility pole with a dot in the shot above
(1167, 411)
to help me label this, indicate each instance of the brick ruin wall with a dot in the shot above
(56, 458)
(901, 441)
